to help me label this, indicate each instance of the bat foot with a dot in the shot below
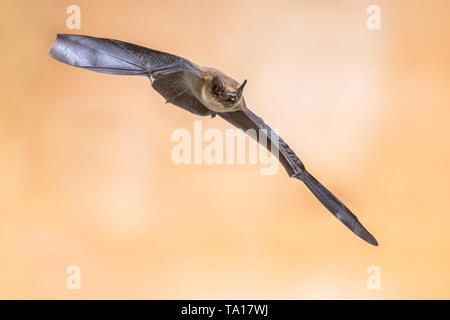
(213, 114)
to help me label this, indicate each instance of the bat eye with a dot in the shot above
(217, 86)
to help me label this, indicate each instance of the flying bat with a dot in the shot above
(200, 90)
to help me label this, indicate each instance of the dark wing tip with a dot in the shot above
(352, 222)
(365, 235)
(56, 49)
(59, 44)
(336, 207)
(51, 51)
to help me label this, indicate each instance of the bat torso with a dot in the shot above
(202, 92)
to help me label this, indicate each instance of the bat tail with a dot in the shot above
(96, 54)
(336, 207)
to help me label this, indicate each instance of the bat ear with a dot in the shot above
(240, 90)
(217, 85)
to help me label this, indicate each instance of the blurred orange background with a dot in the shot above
(87, 179)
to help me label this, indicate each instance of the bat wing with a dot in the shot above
(172, 86)
(117, 57)
(246, 120)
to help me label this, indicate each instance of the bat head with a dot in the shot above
(228, 97)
